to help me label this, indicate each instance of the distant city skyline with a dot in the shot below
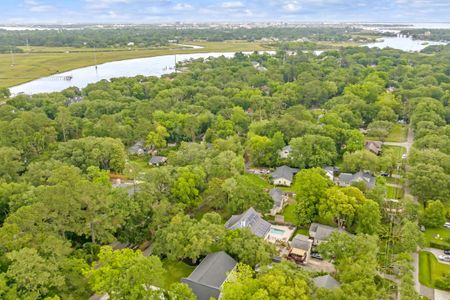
(169, 11)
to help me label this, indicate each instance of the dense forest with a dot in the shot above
(157, 36)
(215, 120)
(428, 34)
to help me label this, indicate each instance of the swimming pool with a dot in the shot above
(276, 231)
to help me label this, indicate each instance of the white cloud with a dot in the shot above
(35, 6)
(232, 5)
(101, 4)
(292, 7)
(182, 7)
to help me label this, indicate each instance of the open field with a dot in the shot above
(430, 269)
(45, 61)
(398, 134)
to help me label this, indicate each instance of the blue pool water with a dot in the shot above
(276, 231)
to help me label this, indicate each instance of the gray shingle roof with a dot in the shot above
(207, 279)
(326, 281)
(137, 148)
(157, 159)
(301, 241)
(277, 196)
(251, 219)
(284, 172)
(373, 146)
(321, 232)
(348, 178)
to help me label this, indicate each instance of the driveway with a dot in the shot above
(436, 253)
(407, 144)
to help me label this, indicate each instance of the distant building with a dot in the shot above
(285, 152)
(137, 149)
(157, 160)
(207, 279)
(347, 179)
(283, 175)
(249, 219)
(373, 146)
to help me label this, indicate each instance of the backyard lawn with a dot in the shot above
(398, 134)
(430, 235)
(394, 192)
(430, 269)
(174, 272)
(255, 179)
(289, 214)
(398, 151)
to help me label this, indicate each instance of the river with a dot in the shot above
(149, 66)
(160, 65)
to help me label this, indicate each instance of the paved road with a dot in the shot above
(407, 144)
(436, 253)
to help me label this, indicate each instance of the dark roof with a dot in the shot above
(373, 146)
(321, 232)
(284, 172)
(365, 177)
(207, 279)
(251, 219)
(157, 159)
(301, 241)
(277, 196)
(326, 281)
(137, 148)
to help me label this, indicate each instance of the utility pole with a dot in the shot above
(13, 62)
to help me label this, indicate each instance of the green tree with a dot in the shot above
(34, 276)
(11, 163)
(310, 186)
(188, 185)
(312, 151)
(125, 274)
(157, 138)
(429, 182)
(247, 247)
(434, 215)
(368, 217)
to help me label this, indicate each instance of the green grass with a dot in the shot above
(398, 151)
(255, 179)
(394, 192)
(289, 214)
(431, 233)
(398, 134)
(174, 272)
(430, 269)
(304, 231)
(45, 61)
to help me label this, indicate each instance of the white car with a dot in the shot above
(444, 258)
(404, 156)
(447, 225)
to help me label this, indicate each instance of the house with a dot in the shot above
(326, 282)
(346, 179)
(285, 152)
(157, 160)
(283, 175)
(330, 172)
(207, 279)
(300, 248)
(249, 219)
(320, 232)
(373, 146)
(279, 199)
(137, 149)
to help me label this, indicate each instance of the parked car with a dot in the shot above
(384, 174)
(447, 252)
(404, 156)
(316, 255)
(422, 228)
(447, 225)
(444, 258)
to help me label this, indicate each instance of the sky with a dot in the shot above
(165, 11)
